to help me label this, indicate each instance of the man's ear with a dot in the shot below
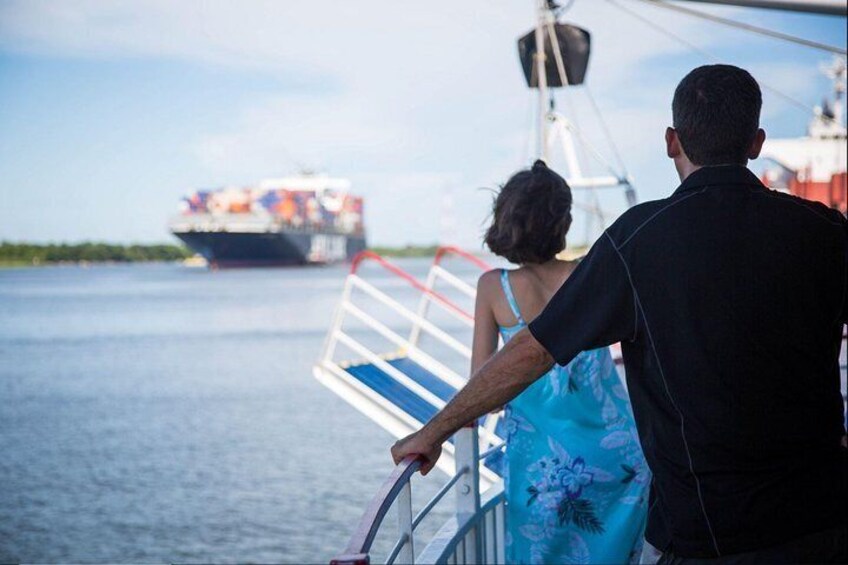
(757, 144)
(672, 143)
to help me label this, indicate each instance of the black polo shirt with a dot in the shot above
(729, 301)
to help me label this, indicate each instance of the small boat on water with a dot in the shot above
(400, 387)
(307, 219)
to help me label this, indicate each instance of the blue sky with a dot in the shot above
(110, 112)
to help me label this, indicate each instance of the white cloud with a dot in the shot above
(298, 131)
(418, 97)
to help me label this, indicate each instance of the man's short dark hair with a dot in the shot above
(531, 216)
(716, 111)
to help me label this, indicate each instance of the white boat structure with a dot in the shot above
(814, 166)
(400, 390)
(402, 386)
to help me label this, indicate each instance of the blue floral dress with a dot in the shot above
(575, 480)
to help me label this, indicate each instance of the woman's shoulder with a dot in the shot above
(566, 266)
(492, 281)
(489, 281)
(553, 274)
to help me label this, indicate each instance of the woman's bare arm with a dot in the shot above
(485, 341)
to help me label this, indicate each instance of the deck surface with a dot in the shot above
(397, 394)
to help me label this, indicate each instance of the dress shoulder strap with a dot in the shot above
(510, 297)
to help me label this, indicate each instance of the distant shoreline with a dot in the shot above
(34, 255)
(406, 251)
(16, 255)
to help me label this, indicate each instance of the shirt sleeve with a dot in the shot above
(845, 292)
(595, 307)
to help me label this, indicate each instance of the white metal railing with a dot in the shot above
(474, 534)
(333, 374)
(437, 273)
(418, 320)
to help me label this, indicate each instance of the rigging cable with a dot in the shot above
(539, 140)
(792, 100)
(616, 153)
(563, 78)
(747, 27)
(559, 10)
(584, 145)
(526, 153)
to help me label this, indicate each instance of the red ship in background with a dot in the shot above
(814, 166)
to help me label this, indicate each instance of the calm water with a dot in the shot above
(155, 413)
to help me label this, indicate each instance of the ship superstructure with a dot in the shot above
(814, 166)
(297, 220)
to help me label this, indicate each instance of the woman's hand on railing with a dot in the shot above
(416, 444)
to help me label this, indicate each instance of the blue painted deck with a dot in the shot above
(399, 395)
(408, 401)
(424, 377)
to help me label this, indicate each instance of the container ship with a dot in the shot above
(302, 220)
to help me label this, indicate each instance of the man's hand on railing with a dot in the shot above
(503, 377)
(416, 444)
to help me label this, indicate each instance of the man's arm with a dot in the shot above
(499, 380)
(845, 292)
(595, 307)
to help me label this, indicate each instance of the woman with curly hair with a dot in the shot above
(575, 480)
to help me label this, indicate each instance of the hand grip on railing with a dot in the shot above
(360, 543)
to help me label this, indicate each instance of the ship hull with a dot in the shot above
(271, 249)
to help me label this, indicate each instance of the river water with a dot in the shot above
(156, 413)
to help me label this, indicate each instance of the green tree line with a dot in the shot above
(406, 251)
(34, 254)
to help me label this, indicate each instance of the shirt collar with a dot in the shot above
(719, 175)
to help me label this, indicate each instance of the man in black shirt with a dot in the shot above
(729, 301)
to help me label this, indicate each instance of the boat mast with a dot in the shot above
(828, 120)
(837, 72)
(543, 15)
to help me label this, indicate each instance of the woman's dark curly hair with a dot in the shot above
(531, 216)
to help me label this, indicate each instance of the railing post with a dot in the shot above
(423, 307)
(397, 485)
(467, 453)
(404, 509)
(336, 324)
